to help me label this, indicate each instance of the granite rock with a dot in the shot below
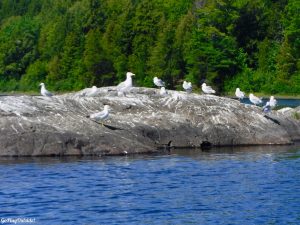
(143, 121)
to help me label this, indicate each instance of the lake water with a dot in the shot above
(249, 185)
(281, 103)
(257, 185)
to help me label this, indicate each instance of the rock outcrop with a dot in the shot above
(141, 122)
(290, 120)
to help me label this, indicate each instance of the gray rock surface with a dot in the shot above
(141, 122)
(290, 120)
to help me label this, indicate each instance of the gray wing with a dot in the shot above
(48, 93)
(121, 85)
(160, 83)
(98, 115)
(211, 90)
(91, 93)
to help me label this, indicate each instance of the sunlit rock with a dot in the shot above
(142, 121)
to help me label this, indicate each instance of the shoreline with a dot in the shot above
(266, 96)
(232, 96)
(142, 122)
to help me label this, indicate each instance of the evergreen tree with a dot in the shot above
(72, 44)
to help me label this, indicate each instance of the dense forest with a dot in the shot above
(73, 44)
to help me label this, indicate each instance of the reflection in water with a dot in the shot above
(238, 152)
(216, 153)
(245, 185)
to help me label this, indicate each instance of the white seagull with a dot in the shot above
(255, 100)
(267, 108)
(187, 86)
(158, 82)
(126, 85)
(207, 89)
(92, 92)
(44, 91)
(273, 102)
(239, 94)
(100, 116)
(163, 91)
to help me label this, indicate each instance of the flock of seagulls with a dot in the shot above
(256, 100)
(125, 86)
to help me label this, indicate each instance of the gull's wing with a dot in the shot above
(257, 99)
(161, 83)
(98, 115)
(209, 89)
(48, 93)
(91, 92)
(121, 85)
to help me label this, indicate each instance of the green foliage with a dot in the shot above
(296, 115)
(212, 50)
(73, 44)
(18, 38)
(35, 74)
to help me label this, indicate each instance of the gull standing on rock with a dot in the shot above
(44, 91)
(239, 94)
(255, 100)
(187, 86)
(126, 85)
(158, 82)
(207, 89)
(267, 108)
(100, 116)
(92, 92)
(163, 91)
(273, 102)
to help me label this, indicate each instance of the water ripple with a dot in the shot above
(223, 186)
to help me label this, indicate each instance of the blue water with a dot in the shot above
(281, 103)
(257, 185)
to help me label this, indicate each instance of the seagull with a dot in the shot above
(267, 108)
(158, 82)
(92, 92)
(100, 115)
(44, 91)
(187, 86)
(239, 94)
(273, 102)
(163, 91)
(207, 89)
(255, 100)
(126, 85)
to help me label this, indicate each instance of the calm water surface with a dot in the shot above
(281, 103)
(223, 186)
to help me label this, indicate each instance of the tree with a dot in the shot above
(99, 68)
